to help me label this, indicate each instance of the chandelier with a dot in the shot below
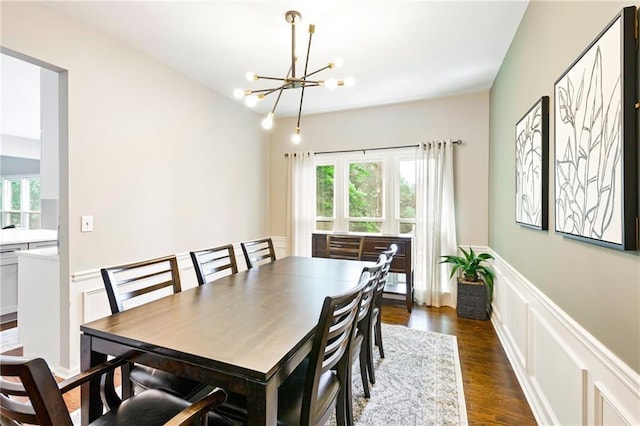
(291, 80)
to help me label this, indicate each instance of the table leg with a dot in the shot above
(91, 403)
(409, 292)
(262, 403)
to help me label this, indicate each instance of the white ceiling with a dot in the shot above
(397, 51)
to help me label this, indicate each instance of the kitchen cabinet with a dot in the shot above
(13, 241)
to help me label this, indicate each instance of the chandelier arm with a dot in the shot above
(293, 47)
(306, 65)
(275, 104)
(263, 77)
(316, 71)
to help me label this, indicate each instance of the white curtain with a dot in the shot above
(301, 212)
(435, 225)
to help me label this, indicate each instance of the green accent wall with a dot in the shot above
(597, 287)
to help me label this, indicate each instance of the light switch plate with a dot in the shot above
(87, 224)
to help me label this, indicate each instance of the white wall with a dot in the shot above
(462, 117)
(164, 164)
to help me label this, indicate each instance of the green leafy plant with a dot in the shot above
(471, 267)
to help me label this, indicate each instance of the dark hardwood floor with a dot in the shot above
(492, 393)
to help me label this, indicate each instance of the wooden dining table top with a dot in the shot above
(247, 324)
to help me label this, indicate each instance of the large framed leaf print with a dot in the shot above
(596, 142)
(532, 166)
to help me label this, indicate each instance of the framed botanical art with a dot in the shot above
(596, 142)
(532, 166)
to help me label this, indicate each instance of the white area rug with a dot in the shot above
(419, 382)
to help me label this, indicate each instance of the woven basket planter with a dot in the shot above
(472, 300)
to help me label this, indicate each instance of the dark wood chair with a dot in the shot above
(136, 283)
(344, 247)
(318, 387)
(258, 252)
(377, 309)
(361, 348)
(29, 394)
(211, 264)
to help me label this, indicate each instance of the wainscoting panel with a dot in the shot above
(516, 318)
(568, 377)
(607, 408)
(558, 374)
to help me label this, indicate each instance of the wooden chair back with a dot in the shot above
(29, 394)
(143, 281)
(389, 253)
(331, 347)
(344, 247)
(211, 264)
(368, 293)
(258, 252)
(45, 405)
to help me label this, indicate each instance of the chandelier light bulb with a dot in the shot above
(251, 76)
(296, 138)
(331, 84)
(337, 62)
(267, 123)
(251, 101)
(238, 93)
(349, 82)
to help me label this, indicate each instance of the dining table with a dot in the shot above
(244, 332)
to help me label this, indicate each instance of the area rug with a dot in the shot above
(419, 382)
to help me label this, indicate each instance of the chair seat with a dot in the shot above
(151, 408)
(143, 378)
(289, 397)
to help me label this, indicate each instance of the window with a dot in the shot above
(366, 193)
(20, 202)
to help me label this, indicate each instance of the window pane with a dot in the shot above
(365, 189)
(34, 220)
(407, 189)
(324, 191)
(34, 195)
(15, 194)
(407, 228)
(14, 219)
(324, 225)
(364, 226)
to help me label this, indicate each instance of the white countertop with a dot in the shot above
(18, 236)
(47, 253)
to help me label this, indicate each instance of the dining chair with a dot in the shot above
(361, 348)
(258, 252)
(318, 386)
(377, 309)
(29, 394)
(213, 263)
(131, 285)
(344, 247)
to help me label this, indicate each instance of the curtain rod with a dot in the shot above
(458, 142)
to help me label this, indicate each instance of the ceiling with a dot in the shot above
(397, 51)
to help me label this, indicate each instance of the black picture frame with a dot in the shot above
(595, 149)
(532, 167)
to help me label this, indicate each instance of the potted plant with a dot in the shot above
(475, 283)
